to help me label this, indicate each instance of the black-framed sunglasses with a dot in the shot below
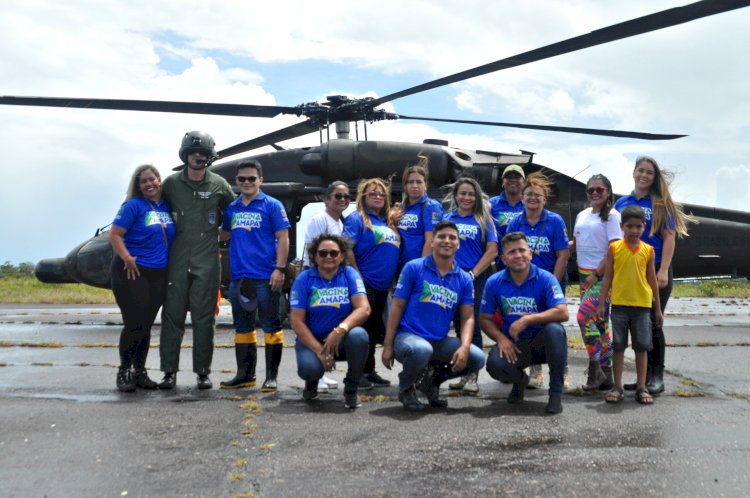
(338, 196)
(324, 253)
(595, 190)
(243, 179)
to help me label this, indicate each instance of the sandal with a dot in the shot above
(615, 395)
(644, 397)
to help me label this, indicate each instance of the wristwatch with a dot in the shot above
(280, 268)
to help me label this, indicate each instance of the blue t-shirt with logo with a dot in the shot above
(431, 299)
(539, 292)
(418, 218)
(149, 230)
(252, 251)
(548, 236)
(326, 302)
(654, 241)
(502, 212)
(471, 249)
(376, 251)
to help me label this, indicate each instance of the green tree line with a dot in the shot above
(8, 269)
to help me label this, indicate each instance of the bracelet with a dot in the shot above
(280, 268)
(336, 330)
(471, 274)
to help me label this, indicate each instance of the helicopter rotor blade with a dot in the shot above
(256, 111)
(294, 131)
(563, 129)
(633, 27)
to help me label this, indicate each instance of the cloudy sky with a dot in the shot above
(67, 170)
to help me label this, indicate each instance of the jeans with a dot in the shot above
(268, 308)
(352, 349)
(549, 345)
(415, 353)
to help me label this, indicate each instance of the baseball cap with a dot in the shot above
(514, 168)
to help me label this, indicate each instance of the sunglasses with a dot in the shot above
(376, 194)
(338, 196)
(595, 190)
(324, 253)
(243, 179)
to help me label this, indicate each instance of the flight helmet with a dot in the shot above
(198, 141)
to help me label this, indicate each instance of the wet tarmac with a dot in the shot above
(66, 431)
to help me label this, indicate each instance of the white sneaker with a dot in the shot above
(536, 377)
(330, 383)
(322, 386)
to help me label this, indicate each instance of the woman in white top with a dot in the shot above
(595, 228)
(328, 221)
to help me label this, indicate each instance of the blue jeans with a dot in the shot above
(415, 353)
(549, 345)
(352, 349)
(268, 308)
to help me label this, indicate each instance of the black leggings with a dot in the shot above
(656, 355)
(375, 326)
(139, 301)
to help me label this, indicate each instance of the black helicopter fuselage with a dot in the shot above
(716, 245)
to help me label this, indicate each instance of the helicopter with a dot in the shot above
(298, 176)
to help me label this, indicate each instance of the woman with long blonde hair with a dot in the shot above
(665, 220)
(469, 210)
(375, 254)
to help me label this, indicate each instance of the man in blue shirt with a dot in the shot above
(508, 204)
(428, 292)
(259, 229)
(533, 308)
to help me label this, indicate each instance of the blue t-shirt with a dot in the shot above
(431, 299)
(252, 252)
(539, 292)
(326, 302)
(548, 236)
(376, 251)
(654, 241)
(502, 212)
(471, 249)
(418, 218)
(146, 226)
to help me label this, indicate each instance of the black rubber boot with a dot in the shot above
(273, 360)
(247, 356)
(596, 376)
(655, 384)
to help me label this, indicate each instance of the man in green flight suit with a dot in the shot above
(198, 199)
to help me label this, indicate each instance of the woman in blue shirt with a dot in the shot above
(665, 219)
(328, 307)
(547, 237)
(478, 249)
(140, 236)
(375, 254)
(418, 214)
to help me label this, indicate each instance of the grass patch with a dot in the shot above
(689, 382)
(684, 393)
(24, 344)
(29, 290)
(736, 395)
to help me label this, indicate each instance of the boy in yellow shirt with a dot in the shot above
(630, 273)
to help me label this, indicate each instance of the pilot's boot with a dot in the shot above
(247, 356)
(273, 359)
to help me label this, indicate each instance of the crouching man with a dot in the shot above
(424, 303)
(533, 308)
